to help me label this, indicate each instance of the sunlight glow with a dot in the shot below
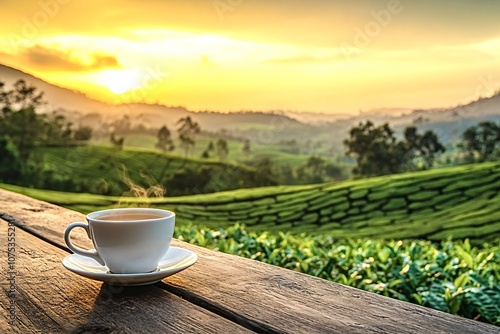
(119, 81)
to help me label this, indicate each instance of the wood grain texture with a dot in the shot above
(260, 296)
(50, 299)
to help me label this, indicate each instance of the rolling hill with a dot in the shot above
(262, 127)
(82, 109)
(105, 170)
(456, 202)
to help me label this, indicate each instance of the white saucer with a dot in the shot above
(176, 259)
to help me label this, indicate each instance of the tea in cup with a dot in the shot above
(128, 240)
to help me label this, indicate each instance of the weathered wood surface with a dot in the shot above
(256, 295)
(50, 299)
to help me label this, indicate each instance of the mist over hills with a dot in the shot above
(449, 123)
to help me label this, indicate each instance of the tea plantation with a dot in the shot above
(451, 276)
(456, 202)
(356, 232)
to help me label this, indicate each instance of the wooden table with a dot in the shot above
(220, 294)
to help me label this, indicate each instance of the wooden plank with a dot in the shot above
(264, 297)
(51, 299)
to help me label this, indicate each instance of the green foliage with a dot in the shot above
(375, 149)
(458, 202)
(378, 152)
(424, 146)
(8, 152)
(265, 168)
(28, 129)
(57, 130)
(24, 127)
(449, 276)
(315, 169)
(18, 119)
(99, 170)
(24, 131)
(481, 140)
(285, 165)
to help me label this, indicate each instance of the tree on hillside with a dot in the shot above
(482, 139)
(165, 142)
(425, 146)
(83, 133)
(222, 149)
(19, 120)
(122, 125)
(24, 127)
(378, 152)
(21, 96)
(246, 147)
(22, 130)
(312, 171)
(58, 132)
(376, 149)
(265, 170)
(333, 171)
(315, 164)
(117, 142)
(210, 148)
(8, 152)
(188, 129)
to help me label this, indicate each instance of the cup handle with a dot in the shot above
(77, 250)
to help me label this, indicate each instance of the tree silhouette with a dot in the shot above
(21, 97)
(222, 149)
(377, 151)
(333, 171)
(482, 139)
(425, 146)
(117, 142)
(246, 147)
(315, 164)
(165, 142)
(83, 133)
(19, 120)
(265, 170)
(187, 133)
(210, 148)
(312, 171)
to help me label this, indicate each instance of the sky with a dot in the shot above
(325, 56)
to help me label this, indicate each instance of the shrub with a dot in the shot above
(450, 276)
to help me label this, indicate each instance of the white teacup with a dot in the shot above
(127, 241)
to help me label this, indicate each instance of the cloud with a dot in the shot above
(56, 60)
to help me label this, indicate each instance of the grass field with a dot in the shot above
(100, 168)
(275, 152)
(456, 202)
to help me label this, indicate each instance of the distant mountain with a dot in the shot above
(448, 123)
(266, 127)
(316, 118)
(76, 104)
(80, 108)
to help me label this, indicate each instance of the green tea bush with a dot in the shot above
(451, 276)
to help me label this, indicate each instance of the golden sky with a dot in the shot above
(229, 55)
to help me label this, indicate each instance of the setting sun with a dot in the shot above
(119, 81)
(333, 57)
